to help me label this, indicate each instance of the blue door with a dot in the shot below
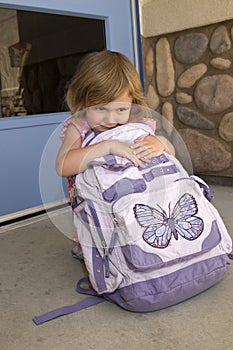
(47, 31)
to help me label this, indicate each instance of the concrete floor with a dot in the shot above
(38, 274)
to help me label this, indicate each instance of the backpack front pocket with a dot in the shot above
(167, 226)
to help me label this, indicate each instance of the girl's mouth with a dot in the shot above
(110, 126)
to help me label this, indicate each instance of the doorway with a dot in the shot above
(45, 45)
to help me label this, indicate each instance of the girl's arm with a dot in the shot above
(72, 159)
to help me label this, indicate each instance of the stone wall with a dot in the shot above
(189, 80)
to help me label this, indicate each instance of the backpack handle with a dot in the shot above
(88, 290)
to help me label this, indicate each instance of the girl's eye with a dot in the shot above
(100, 109)
(123, 109)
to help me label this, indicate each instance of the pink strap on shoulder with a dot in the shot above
(80, 125)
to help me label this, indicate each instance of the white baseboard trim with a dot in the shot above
(35, 219)
(33, 210)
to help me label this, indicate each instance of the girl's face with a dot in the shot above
(107, 116)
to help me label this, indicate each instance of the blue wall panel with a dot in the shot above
(21, 150)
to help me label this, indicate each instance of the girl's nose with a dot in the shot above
(111, 117)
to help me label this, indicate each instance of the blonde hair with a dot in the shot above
(102, 77)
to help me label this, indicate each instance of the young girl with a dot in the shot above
(100, 95)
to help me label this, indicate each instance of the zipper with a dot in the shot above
(114, 235)
(106, 250)
(105, 259)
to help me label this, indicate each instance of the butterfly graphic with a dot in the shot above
(160, 227)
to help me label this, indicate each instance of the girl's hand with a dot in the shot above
(126, 150)
(151, 146)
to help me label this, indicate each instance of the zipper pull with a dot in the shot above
(104, 246)
(115, 221)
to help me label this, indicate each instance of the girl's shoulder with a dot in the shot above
(80, 124)
(149, 121)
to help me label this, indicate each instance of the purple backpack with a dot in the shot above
(150, 236)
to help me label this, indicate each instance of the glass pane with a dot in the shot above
(38, 55)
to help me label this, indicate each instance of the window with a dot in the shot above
(39, 53)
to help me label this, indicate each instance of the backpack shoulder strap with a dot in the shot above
(94, 299)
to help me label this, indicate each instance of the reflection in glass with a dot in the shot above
(39, 53)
